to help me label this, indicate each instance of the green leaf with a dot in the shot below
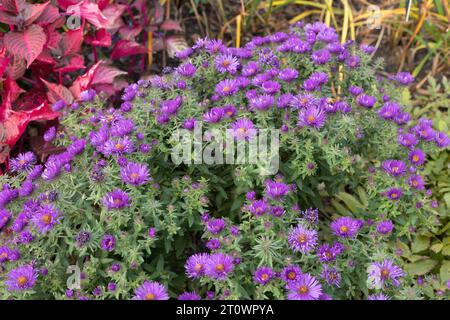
(446, 250)
(437, 247)
(350, 201)
(421, 267)
(445, 271)
(420, 243)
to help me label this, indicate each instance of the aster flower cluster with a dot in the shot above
(350, 182)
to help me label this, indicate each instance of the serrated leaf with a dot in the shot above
(350, 201)
(437, 247)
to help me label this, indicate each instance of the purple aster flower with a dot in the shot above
(394, 167)
(367, 49)
(250, 69)
(226, 63)
(5, 216)
(404, 78)
(196, 264)
(355, 90)
(304, 101)
(227, 87)
(116, 199)
(218, 266)
(270, 87)
(50, 134)
(285, 100)
(306, 288)
(302, 240)
(291, 273)
(19, 223)
(82, 238)
(214, 115)
(442, 140)
(108, 242)
(276, 190)
(366, 101)
(229, 111)
(25, 237)
(45, 218)
(185, 296)
(151, 290)
(263, 275)
(213, 244)
(243, 129)
(119, 146)
(5, 253)
(26, 189)
(23, 162)
(385, 227)
(394, 193)
(381, 274)
(328, 253)
(402, 118)
(262, 102)
(184, 54)
(288, 74)
(115, 267)
(389, 110)
(171, 106)
(407, 140)
(187, 70)
(259, 207)
(214, 46)
(215, 226)
(126, 106)
(331, 276)
(353, 61)
(417, 157)
(189, 124)
(88, 95)
(424, 131)
(135, 174)
(345, 227)
(58, 105)
(312, 117)
(379, 296)
(122, 127)
(417, 182)
(21, 278)
(321, 56)
(112, 287)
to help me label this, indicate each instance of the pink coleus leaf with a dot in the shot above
(33, 11)
(8, 18)
(16, 68)
(71, 41)
(4, 60)
(75, 63)
(114, 13)
(102, 38)
(53, 37)
(83, 82)
(58, 92)
(105, 74)
(64, 4)
(130, 33)
(49, 15)
(46, 57)
(124, 48)
(12, 6)
(90, 12)
(169, 25)
(27, 44)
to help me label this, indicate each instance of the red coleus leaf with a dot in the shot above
(130, 33)
(27, 44)
(124, 48)
(90, 12)
(49, 15)
(102, 39)
(64, 4)
(105, 74)
(14, 123)
(8, 18)
(46, 57)
(169, 25)
(98, 74)
(13, 6)
(30, 100)
(4, 60)
(75, 63)
(15, 90)
(58, 92)
(16, 68)
(71, 41)
(102, 4)
(114, 13)
(32, 11)
(53, 37)
(83, 82)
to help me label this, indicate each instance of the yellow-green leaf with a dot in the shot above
(420, 243)
(421, 267)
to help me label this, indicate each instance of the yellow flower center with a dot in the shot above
(134, 175)
(343, 228)
(22, 161)
(226, 89)
(292, 275)
(265, 276)
(220, 267)
(395, 169)
(302, 238)
(149, 296)
(415, 183)
(226, 63)
(303, 289)
(385, 273)
(198, 267)
(46, 218)
(21, 281)
(415, 158)
(4, 255)
(394, 195)
(310, 118)
(119, 146)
